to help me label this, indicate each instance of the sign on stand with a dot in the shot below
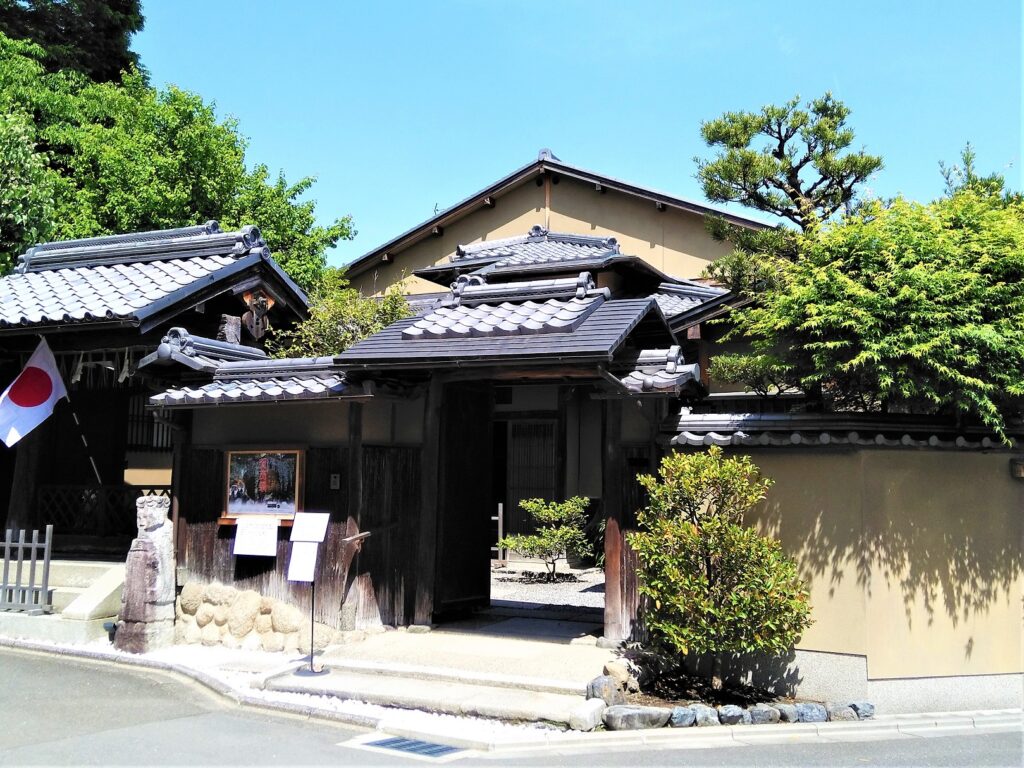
(308, 532)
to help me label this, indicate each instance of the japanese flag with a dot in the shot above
(30, 398)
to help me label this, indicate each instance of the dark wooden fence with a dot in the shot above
(25, 581)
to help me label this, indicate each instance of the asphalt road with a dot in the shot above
(55, 711)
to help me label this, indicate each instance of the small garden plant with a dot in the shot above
(713, 585)
(559, 533)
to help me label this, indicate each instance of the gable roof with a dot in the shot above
(510, 326)
(538, 251)
(546, 162)
(131, 279)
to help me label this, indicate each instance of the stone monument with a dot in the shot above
(147, 602)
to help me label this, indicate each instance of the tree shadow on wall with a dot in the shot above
(949, 545)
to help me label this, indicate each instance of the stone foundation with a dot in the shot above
(217, 614)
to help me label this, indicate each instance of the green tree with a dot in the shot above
(89, 36)
(26, 193)
(339, 316)
(901, 307)
(128, 157)
(559, 533)
(713, 585)
(791, 162)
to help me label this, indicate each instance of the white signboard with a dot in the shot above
(310, 526)
(302, 564)
(256, 536)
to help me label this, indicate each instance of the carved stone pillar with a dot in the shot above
(147, 603)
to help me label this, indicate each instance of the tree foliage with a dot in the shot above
(128, 157)
(88, 36)
(790, 162)
(338, 317)
(713, 585)
(559, 533)
(26, 194)
(902, 307)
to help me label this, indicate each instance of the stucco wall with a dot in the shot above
(672, 240)
(913, 557)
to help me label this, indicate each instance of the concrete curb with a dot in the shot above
(880, 728)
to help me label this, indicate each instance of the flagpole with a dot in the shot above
(81, 433)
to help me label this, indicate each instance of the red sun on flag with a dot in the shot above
(33, 387)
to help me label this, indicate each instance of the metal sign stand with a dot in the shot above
(308, 531)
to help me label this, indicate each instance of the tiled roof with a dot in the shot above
(123, 277)
(596, 338)
(684, 295)
(475, 308)
(277, 380)
(815, 430)
(538, 246)
(198, 352)
(660, 371)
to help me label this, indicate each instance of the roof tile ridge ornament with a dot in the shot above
(472, 290)
(181, 341)
(138, 247)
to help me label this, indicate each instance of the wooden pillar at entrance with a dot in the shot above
(426, 560)
(612, 502)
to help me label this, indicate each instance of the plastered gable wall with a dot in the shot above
(671, 240)
(913, 558)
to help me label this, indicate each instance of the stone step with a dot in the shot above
(78, 573)
(52, 628)
(62, 597)
(453, 698)
(449, 675)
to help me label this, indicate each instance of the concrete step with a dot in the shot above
(449, 675)
(52, 628)
(78, 573)
(453, 698)
(62, 597)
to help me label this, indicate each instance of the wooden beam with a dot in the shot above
(612, 502)
(423, 611)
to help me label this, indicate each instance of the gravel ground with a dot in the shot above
(524, 584)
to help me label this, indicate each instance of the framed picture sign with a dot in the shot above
(263, 483)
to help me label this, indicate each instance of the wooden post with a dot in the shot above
(426, 560)
(611, 502)
(28, 455)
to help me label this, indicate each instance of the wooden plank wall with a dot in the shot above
(205, 545)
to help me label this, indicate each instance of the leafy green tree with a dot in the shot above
(339, 316)
(124, 158)
(901, 307)
(559, 533)
(713, 585)
(87, 36)
(26, 193)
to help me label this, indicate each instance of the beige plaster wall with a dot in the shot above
(913, 557)
(323, 423)
(672, 240)
(513, 214)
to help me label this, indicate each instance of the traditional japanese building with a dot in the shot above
(104, 304)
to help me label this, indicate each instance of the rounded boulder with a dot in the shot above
(243, 612)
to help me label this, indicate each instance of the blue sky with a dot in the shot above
(400, 106)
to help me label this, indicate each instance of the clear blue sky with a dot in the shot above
(400, 106)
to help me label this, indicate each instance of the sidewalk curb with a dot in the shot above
(881, 727)
(207, 681)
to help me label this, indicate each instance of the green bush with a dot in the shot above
(559, 531)
(714, 586)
